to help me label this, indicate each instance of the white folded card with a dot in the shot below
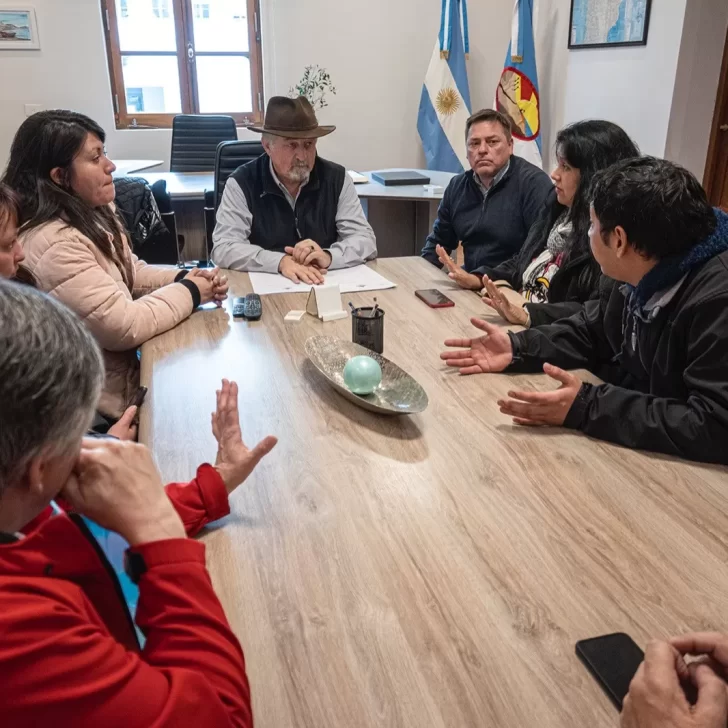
(325, 303)
(350, 280)
(294, 315)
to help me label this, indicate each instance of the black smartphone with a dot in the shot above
(434, 298)
(612, 659)
(138, 400)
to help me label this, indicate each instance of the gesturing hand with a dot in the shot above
(496, 299)
(117, 485)
(490, 353)
(235, 462)
(309, 252)
(455, 272)
(657, 699)
(300, 273)
(125, 428)
(543, 408)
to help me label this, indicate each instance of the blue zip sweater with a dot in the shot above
(491, 229)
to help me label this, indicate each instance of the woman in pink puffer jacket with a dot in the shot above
(76, 247)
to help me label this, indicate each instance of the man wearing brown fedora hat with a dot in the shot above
(290, 211)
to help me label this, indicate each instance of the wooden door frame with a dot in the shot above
(721, 113)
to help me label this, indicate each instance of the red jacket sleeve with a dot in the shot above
(63, 668)
(201, 501)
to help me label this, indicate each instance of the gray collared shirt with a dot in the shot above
(232, 247)
(499, 176)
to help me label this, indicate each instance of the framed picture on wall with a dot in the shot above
(18, 29)
(606, 23)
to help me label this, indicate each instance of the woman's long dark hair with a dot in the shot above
(49, 140)
(590, 146)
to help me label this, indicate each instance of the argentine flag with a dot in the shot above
(445, 101)
(517, 94)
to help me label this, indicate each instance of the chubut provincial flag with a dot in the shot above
(517, 93)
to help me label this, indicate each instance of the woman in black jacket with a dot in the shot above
(554, 273)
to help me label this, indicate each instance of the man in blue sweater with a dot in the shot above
(491, 207)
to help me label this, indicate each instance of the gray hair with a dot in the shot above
(51, 373)
(269, 138)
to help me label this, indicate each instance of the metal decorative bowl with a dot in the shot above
(398, 394)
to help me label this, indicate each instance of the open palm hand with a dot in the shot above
(490, 353)
(235, 461)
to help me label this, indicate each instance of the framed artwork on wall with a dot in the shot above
(608, 23)
(18, 29)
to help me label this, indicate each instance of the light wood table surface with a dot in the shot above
(429, 571)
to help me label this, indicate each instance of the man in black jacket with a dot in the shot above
(660, 341)
(491, 207)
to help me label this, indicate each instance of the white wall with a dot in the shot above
(377, 53)
(696, 84)
(70, 71)
(630, 86)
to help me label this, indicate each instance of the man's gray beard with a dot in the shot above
(299, 174)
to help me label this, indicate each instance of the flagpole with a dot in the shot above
(445, 30)
(466, 36)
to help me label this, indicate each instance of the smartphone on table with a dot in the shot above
(612, 659)
(434, 298)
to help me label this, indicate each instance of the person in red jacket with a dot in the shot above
(75, 650)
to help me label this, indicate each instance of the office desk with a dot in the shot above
(435, 570)
(401, 217)
(188, 186)
(126, 167)
(192, 186)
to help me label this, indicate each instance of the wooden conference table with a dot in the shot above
(434, 570)
(401, 216)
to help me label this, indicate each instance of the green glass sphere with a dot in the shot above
(362, 374)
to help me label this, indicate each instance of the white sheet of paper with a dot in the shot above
(351, 280)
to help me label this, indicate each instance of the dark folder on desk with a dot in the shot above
(406, 177)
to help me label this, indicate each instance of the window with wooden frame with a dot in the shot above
(169, 57)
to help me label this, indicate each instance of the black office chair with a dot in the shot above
(195, 139)
(230, 156)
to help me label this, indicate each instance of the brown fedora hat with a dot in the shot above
(292, 118)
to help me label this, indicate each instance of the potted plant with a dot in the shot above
(315, 84)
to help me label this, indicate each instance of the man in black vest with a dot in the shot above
(290, 211)
(491, 207)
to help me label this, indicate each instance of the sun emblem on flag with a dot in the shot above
(448, 101)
